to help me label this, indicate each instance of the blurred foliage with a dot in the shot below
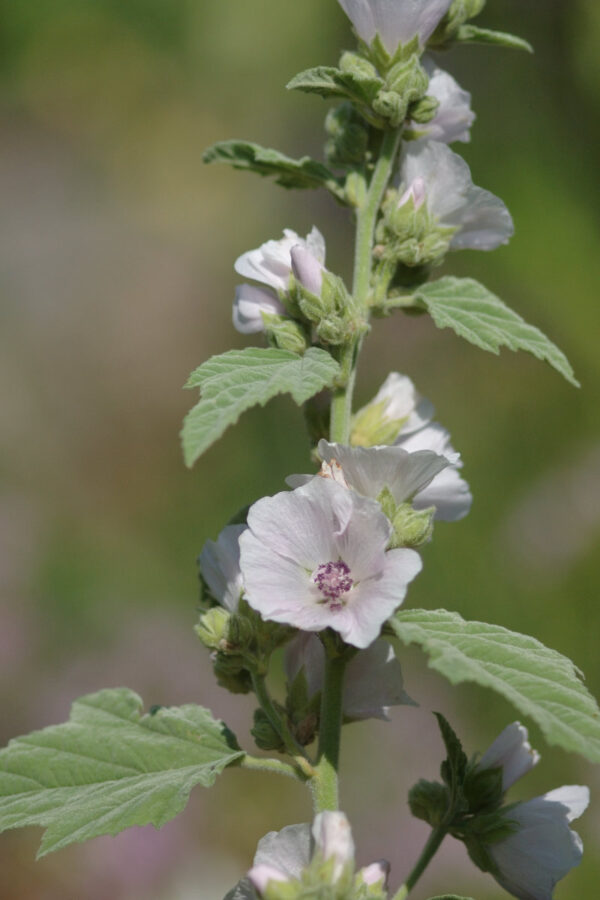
(116, 257)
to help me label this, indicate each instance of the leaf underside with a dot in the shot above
(239, 379)
(109, 768)
(540, 682)
(480, 317)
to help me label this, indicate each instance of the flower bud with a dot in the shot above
(375, 874)
(412, 527)
(261, 876)
(428, 800)
(333, 839)
(213, 628)
(307, 269)
(284, 333)
(265, 736)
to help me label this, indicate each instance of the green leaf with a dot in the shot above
(540, 682)
(110, 768)
(327, 81)
(483, 319)
(232, 383)
(455, 765)
(288, 172)
(471, 34)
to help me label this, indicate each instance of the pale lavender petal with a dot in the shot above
(307, 269)
(289, 850)
(370, 470)
(454, 117)
(375, 873)
(249, 304)
(512, 752)
(533, 859)
(396, 21)
(448, 492)
(333, 838)
(403, 403)
(220, 564)
(261, 876)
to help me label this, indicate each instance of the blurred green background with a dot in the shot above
(116, 257)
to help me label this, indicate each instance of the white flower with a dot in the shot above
(543, 849)
(284, 856)
(454, 117)
(373, 680)
(512, 752)
(481, 219)
(316, 558)
(307, 269)
(271, 265)
(395, 21)
(401, 405)
(220, 564)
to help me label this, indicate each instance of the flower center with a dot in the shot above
(334, 580)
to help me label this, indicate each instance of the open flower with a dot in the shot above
(400, 414)
(395, 21)
(324, 852)
(271, 265)
(316, 558)
(542, 849)
(220, 564)
(512, 752)
(454, 117)
(480, 220)
(373, 679)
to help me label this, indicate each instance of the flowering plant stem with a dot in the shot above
(369, 203)
(429, 850)
(325, 783)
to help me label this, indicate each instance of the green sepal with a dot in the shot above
(288, 172)
(265, 736)
(285, 333)
(231, 673)
(460, 11)
(454, 767)
(412, 527)
(382, 60)
(429, 801)
(470, 34)
(213, 628)
(422, 112)
(372, 428)
(483, 788)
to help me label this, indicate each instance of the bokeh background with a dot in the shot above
(116, 253)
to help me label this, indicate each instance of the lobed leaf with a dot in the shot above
(327, 81)
(110, 768)
(480, 317)
(239, 379)
(288, 172)
(540, 682)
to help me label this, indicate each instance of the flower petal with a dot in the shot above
(512, 752)
(249, 304)
(220, 564)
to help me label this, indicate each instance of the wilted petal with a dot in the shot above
(249, 305)
(395, 21)
(533, 859)
(512, 752)
(220, 564)
(333, 838)
(481, 219)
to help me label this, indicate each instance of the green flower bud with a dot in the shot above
(284, 333)
(483, 789)
(409, 79)
(392, 107)
(265, 736)
(213, 628)
(357, 65)
(412, 527)
(428, 800)
(424, 110)
(231, 673)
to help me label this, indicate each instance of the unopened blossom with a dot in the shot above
(307, 269)
(395, 21)
(401, 408)
(480, 220)
(271, 266)
(542, 849)
(454, 116)
(512, 752)
(373, 680)
(220, 565)
(316, 558)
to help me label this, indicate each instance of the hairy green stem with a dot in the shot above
(429, 850)
(260, 764)
(293, 748)
(366, 219)
(325, 783)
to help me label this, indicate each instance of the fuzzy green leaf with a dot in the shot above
(327, 81)
(540, 682)
(471, 34)
(288, 172)
(235, 381)
(480, 317)
(110, 768)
